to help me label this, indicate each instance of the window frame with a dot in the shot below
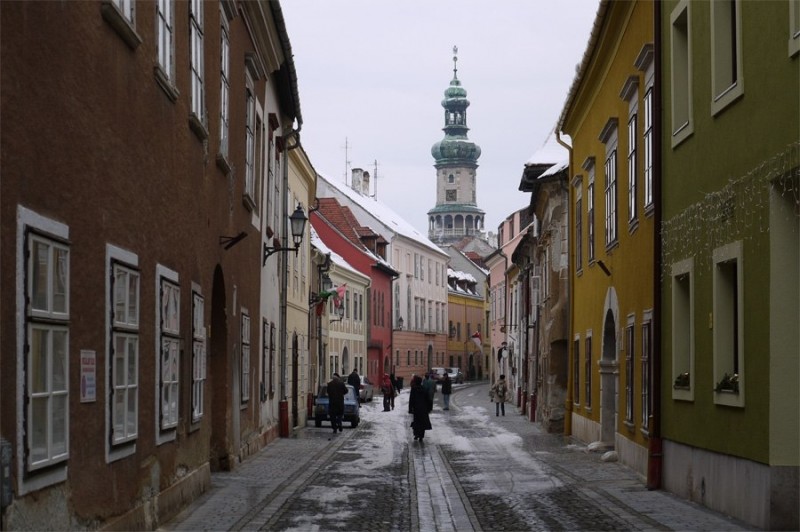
(726, 41)
(245, 341)
(576, 374)
(682, 123)
(129, 330)
(587, 370)
(630, 343)
(728, 331)
(647, 374)
(225, 89)
(197, 67)
(794, 27)
(167, 336)
(683, 329)
(610, 137)
(578, 250)
(51, 321)
(199, 354)
(165, 47)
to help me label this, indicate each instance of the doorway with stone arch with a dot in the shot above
(345, 362)
(609, 380)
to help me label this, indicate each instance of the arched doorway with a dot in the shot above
(608, 380)
(220, 379)
(345, 362)
(430, 358)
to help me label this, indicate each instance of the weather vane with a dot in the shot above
(455, 61)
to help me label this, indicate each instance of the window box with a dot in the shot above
(728, 384)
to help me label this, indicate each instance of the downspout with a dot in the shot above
(655, 455)
(571, 265)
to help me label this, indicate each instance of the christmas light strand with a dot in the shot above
(738, 211)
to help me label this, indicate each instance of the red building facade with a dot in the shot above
(365, 250)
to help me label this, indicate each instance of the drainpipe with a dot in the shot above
(571, 263)
(283, 405)
(655, 456)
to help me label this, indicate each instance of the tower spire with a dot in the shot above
(455, 62)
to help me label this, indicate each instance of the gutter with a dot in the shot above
(570, 302)
(655, 457)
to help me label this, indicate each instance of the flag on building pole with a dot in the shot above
(476, 337)
(338, 298)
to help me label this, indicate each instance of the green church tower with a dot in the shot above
(456, 214)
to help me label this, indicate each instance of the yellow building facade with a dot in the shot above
(608, 117)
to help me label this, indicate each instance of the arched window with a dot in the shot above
(451, 179)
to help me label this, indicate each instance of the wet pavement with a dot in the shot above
(474, 471)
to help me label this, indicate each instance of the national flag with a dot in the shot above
(476, 337)
(338, 298)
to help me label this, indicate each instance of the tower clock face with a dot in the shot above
(450, 195)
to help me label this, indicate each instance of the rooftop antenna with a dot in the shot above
(376, 180)
(346, 160)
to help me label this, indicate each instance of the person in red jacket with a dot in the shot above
(388, 392)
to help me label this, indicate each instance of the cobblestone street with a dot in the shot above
(475, 471)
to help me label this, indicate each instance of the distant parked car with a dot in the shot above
(366, 391)
(438, 373)
(455, 375)
(351, 407)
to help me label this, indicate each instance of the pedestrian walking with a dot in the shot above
(395, 388)
(419, 404)
(336, 392)
(499, 394)
(355, 381)
(429, 385)
(388, 392)
(447, 389)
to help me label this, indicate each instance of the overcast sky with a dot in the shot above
(374, 73)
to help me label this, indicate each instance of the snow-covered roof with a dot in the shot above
(556, 168)
(337, 259)
(550, 152)
(461, 276)
(380, 213)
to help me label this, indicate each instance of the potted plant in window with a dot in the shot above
(728, 383)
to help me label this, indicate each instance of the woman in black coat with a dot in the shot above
(419, 404)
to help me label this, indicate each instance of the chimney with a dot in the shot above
(365, 184)
(355, 183)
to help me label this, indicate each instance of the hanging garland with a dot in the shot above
(738, 211)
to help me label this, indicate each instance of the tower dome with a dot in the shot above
(455, 148)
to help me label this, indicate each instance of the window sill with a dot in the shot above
(645, 433)
(681, 134)
(727, 98)
(630, 426)
(197, 126)
(611, 246)
(633, 225)
(120, 24)
(249, 202)
(223, 164)
(165, 83)
(121, 450)
(650, 210)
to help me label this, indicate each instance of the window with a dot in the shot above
(47, 351)
(632, 169)
(168, 326)
(683, 330)
(416, 266)
(726, 54)
(587, 371)
(588, 165)
(611, 198)
(245, 356)
(124, 355)
(271, 364)
(225, 87)
(647, 378)
(576, 376)
(648, 148)
(629, 357)
(451, 179)
(165, 43)
(196, 60)
(644, 63)
(408, 359)
(794, 27)
(198, 355)
(578, 227)
(250, 141)
(728, 320)
(608, 136)
(126, 9)
(680, 79)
